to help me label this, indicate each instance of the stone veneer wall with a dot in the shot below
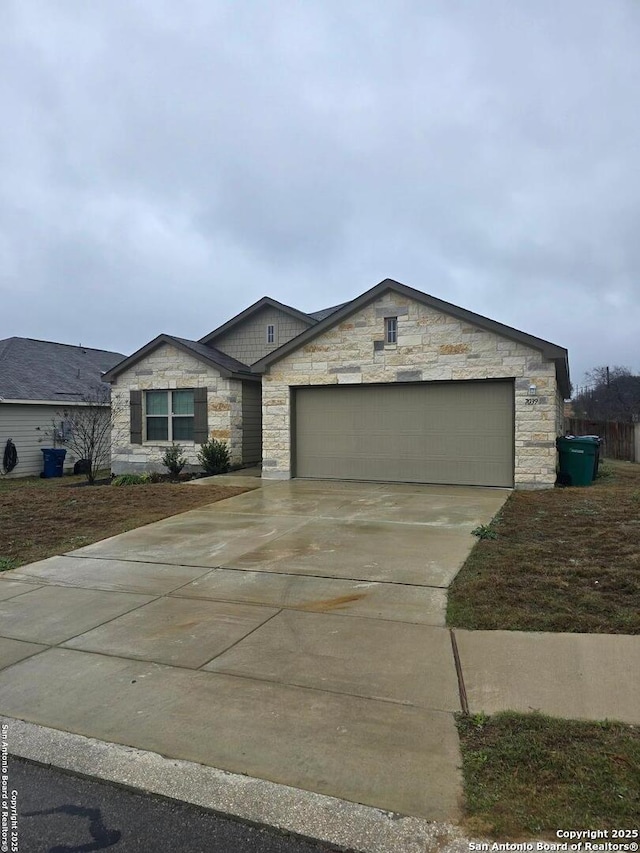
(431, 346)
(167, 368)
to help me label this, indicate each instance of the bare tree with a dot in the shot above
(613, 394)
(86, 428)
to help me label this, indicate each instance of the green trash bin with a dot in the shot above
(598, 443)
(577, 459)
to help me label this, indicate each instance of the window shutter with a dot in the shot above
(200, 424)
(135, 405)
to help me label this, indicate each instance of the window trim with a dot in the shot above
(271, 333)
(169, 416)
(391, 331)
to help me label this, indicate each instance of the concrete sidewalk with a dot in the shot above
(575, 676)
(294, 634)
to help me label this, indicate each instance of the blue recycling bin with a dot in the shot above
(53, 461)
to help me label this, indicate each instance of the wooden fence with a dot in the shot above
(618, 437)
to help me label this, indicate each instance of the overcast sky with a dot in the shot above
(164, 164)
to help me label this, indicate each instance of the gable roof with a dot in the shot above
(549, 350)
(225, 364)
(33, 370)
(265, 302)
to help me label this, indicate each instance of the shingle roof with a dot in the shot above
(45, 370)
(214, 354)
(326, 312)
(226, 364)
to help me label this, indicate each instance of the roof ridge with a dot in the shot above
(57, 344)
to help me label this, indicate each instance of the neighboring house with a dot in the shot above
(394, 385)
(41, 383)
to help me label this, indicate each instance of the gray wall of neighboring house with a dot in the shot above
(248, 341)
(27, 425)
(252, 422)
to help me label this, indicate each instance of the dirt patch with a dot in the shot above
(41, 518)
(563, 560)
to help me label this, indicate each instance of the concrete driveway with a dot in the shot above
(294, 633)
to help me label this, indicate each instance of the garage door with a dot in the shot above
(440, 432)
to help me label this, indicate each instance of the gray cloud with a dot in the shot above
(164, 165)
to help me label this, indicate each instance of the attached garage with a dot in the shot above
(399, 386)
(427, 432)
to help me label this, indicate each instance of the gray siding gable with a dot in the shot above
(247, 340)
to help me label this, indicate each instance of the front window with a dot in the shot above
(271, 334)
(391, 330)
(169, 415)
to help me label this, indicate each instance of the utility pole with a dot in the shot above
(608, 381)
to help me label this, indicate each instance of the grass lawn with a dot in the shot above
(563, 560)
(526, 773)
(41, 518)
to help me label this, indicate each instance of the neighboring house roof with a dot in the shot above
(325, 312)
(225, 364)
(32, 370)
(552, 351)
(265, 302)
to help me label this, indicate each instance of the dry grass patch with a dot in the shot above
(527, 773)
(563, 560)
(42, 518)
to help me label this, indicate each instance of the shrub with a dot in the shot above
(173, 460)
(214, 457)
(484, 531)
(130, 480)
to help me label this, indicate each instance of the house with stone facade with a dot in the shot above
(394, 386)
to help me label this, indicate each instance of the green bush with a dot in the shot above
(484, 531)
(173, 460)
(130, 480)
(214, 457)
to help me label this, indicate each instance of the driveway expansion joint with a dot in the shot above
(464, 704)
(324, 577)
(241, 639)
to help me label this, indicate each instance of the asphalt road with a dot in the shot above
(61, 813)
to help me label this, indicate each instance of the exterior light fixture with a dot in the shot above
(533, 390)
